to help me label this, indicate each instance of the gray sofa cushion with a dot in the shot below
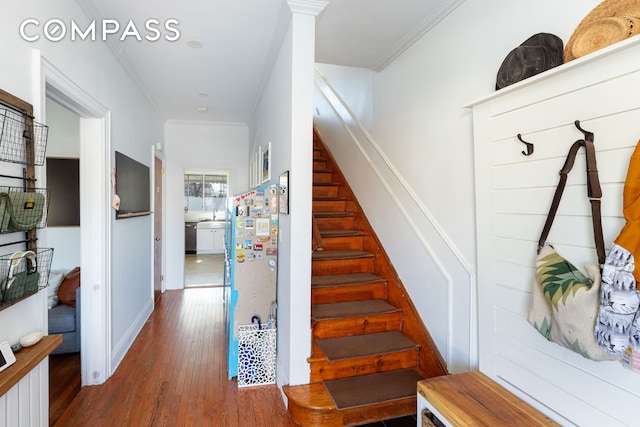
(62, 318)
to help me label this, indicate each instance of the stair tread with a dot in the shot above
(364, 345)
(344, 279)
(345, 254)
(333, 214)
(329, 198)
(340, 233)
(340, 310)
(373, 388)
(325, 184)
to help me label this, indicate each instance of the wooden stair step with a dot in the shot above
(374, 388)
(340, 255)
(321, 215)
(364, 345)
(324, 370)
(347, 287)
(325, 189)
(322, 175)
(342, 262)
(333, 240)
(340, 233)
(344, 280)
(334, 220)
(329, 204)
(342, 310)
(312, 405)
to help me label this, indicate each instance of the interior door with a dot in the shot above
(157, 231)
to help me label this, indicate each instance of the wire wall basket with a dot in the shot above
(22, 274)
(17, 132)
(23, 209)
(256, 355)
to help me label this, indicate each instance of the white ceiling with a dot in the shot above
(239, 38)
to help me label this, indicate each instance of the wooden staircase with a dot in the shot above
(369, 345)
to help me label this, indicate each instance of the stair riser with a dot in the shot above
(342, 266)
(322, 176)
(356, 325)
(342, 243)
(345, 223)
(348, 293)
(383, 411)
(325, 370)
(319, 164)
(325, 190)
(317, 153)
(329, 206)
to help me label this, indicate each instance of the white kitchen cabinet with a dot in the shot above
(210, 238)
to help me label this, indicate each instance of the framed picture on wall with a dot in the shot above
(283, 185)
(266, 163)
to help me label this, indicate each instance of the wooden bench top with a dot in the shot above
(473, 399)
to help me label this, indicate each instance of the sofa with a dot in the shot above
(64, 319)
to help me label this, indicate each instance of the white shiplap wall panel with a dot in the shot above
(538, 200)
(513, 196)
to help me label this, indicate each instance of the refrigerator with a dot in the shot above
(251, 260)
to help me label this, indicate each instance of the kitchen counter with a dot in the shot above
(211, 224)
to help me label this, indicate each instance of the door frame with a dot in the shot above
(95, 224)
(158, 220)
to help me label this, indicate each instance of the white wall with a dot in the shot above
(135, 126)
(414, 110)
(63, 141)
(197, 145)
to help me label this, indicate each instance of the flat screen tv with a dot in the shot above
(132, 186)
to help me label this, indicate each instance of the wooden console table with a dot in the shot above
(473, 399)
(27, 359)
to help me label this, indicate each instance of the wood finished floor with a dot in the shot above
(175, 375)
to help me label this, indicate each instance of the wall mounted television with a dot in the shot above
(133, 187)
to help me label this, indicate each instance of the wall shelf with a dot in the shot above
(27, 359)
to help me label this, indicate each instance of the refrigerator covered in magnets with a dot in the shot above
(252, 260)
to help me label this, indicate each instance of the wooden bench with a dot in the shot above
(473, 399)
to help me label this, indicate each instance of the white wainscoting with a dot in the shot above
(513, 197)
(26, 404)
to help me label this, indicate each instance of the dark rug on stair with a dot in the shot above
(350, 309)
(375, 388)
(364, 345)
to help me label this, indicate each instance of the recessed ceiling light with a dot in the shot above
(202, 109)
(196, 44)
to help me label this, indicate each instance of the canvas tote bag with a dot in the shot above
(565, 302)
(618, 327)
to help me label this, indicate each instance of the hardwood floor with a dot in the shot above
(175, 375)
(64, 383)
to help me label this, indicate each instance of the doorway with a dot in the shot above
(95, 144)
(63, 234)
(205, 197)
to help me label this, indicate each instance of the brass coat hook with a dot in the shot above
(528, 144)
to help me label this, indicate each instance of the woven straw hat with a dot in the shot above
(608, 23)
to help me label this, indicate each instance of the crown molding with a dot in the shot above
(444, 9)
(308, 7)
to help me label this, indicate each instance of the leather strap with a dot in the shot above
(594, 192)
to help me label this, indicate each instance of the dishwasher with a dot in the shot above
(190, 235)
